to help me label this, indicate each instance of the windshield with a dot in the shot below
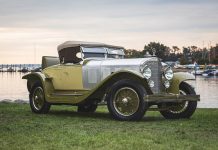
(115, 56)
(88, 55)
(115, 53)
(102, 52)
(99, 52)
(94, 50)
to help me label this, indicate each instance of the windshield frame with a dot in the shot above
(118, 53)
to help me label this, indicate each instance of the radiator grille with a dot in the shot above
(155, 66)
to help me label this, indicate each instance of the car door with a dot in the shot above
(66, 76)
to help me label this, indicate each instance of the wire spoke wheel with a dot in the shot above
(38, 98)
(180, 107)
(126, 101)
(38, 102)
(183, 109)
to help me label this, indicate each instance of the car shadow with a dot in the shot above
(65, 113)
(153, 119)
(98, 115)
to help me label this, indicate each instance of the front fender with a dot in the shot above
(177, 79)
(126, 74)
(104, 86)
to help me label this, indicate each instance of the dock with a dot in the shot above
(18, 67)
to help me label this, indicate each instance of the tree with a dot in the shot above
(175, 49)
(132, 53)
(214, 52)
(194, 48)
(187, 55)
(183, 61)
(160, 50)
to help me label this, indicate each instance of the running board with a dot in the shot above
(66, 94)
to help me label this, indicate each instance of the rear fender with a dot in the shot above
(34, 77)
(178, 78)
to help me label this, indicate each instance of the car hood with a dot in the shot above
(118, 62)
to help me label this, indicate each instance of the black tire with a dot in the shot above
(137, 91)
(44, 106)
(186, 111)
(88, 108)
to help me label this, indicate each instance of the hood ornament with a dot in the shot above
(153, 52)
(147, 54)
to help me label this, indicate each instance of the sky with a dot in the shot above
(30, 29)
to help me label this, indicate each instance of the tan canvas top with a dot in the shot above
(85, 44)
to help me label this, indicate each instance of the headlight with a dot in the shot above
(151, 83)
(167, 84)
(147, 73)
(168, 73)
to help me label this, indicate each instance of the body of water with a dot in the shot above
(12, 87)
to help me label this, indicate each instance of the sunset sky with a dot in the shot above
(32, 28)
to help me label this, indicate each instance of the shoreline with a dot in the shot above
(17, 101)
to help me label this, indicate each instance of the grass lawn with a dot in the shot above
(64, 128)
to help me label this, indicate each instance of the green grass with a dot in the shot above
(64, 128)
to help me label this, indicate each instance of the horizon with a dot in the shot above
(30, 29)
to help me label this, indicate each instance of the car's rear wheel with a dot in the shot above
(87, 108)
(183, 109)
(125, 100)
(38, 103)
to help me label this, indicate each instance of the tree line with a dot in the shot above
(186, 55)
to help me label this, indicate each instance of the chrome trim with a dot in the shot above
(155, 65)
(96, 70)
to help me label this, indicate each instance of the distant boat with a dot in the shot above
(211, 70)
(39, 69)
(208, 72)
(10, 69)
(192, 66)
(197, 72)
(213, 73)
(196, 67)
(24, 69)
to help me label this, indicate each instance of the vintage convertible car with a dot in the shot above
(88, 74)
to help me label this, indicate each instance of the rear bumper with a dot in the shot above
(160, 98)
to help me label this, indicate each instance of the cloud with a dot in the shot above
(122, 22)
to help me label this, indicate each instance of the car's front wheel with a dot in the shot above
(125, 100)
(183, 109)
(38, 103)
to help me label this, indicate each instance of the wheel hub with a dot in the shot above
(38, 98)
(125, 100)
